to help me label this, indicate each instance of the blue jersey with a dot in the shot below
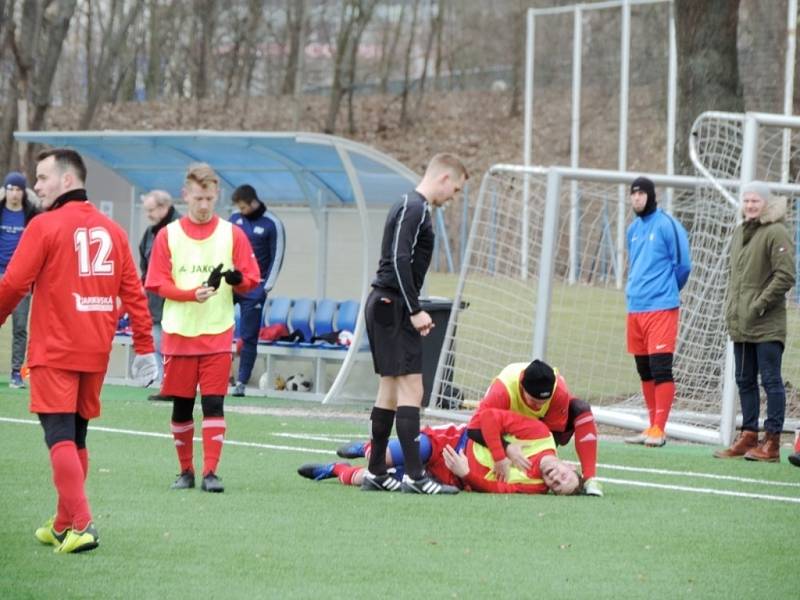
(12, 223)
(266, 235)
(659, 262)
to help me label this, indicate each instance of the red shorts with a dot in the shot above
(60, 391)
(441, 436)
(182, 375)
(652, 332)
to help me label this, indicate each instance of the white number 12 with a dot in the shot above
(84, 240)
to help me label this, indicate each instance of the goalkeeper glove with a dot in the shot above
(233, 277)
(144, 369)
(215, 277)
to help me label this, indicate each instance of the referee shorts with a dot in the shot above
(395, 345)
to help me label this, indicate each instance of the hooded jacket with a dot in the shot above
(761, 271)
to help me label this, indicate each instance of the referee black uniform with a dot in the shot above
(406, 253)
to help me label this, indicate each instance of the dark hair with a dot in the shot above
(244, 193)
(65, 159)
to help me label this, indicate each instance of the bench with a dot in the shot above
(310, 318)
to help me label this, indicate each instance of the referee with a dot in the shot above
(396, 324)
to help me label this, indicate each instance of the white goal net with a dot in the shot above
(568, 304)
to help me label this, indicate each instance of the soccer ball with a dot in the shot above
(298, 383)
(345, 338)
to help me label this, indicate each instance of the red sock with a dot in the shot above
(213, 436)
(345, 472)
(68, 479)
(649, 393)
(586, 444)
(797, 441)
(665, 392)
(183, 433)
(62, 520)
(83, 456)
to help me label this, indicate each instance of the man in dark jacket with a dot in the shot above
(157, 207)
(16, 211)
(266, 234)
(761, 271)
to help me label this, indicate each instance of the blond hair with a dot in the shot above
(445, 161)
(202, 174)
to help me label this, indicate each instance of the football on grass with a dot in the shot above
(298, 383)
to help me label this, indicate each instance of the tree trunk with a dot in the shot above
(362, 20)
(295, 22)
(109, 57)
(346, 23)
(428, 47)
(153, 78)
(518, 29)
(708, 68)
(387, 58)
(404, 119)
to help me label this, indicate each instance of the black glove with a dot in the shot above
(233, 277)
(215, 277)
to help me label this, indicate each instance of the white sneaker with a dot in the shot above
(592, 487)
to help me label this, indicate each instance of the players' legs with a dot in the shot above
(382, 420)
(409, 400)
(19, 320)
(580, 421)
(249, 326)
(637, 345)
(213, 377)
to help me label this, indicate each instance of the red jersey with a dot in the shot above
(557, 413)
(80, 265)
(159, 281)
(493, 424)
(497, 423)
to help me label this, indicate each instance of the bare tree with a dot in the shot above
(296, 25)
(114, 40)
(354, 18)
(36, 51)
(405, 121)
(708, 68)
(388, 53)
(205, 22)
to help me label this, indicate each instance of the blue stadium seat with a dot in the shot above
(237, 317)
(300, 319)
(279, 311)
(348, 315)
(323, 318)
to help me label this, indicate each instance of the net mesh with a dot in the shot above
(586, 333)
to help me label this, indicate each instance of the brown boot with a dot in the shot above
(768, 451)
(747, 440)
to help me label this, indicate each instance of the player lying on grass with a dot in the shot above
(454, 458)
(538, 391)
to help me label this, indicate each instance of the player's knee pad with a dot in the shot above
(661, 367)
(182, 409)
(643, 367)
(58, 427)
(81, 427)
(213, 406)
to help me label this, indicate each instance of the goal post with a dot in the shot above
(568, 307)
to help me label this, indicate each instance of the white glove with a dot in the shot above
(144, 369)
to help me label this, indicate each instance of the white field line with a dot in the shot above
(683, 488)
(606, 479)
(320, 437)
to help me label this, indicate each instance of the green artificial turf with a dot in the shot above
(273, 534)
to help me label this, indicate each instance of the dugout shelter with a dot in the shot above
(331, 193)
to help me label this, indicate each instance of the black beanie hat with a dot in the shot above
(244, 193)
(643, 184)
(538, 380)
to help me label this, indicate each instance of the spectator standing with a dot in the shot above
(157, 207)
(80, 262)
(16, 211)
(658, 267)
(197, 321)
(266, 234)
(760, 271)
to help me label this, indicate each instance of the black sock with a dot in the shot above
(408, 434)
(382, 421)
